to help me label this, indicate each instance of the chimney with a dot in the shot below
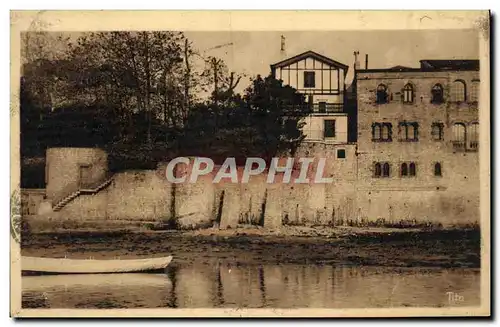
(356, 62)
(283, 48)
(366, 61)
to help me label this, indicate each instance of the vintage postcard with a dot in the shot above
(250, 164)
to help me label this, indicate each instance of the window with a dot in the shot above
(309, 79)
(329, 130)
(408, 93)
(473, 136)
(408, 169)
(386, 132)
(437, 169)
(437, 94)
(408, 131)
(382, 169)
(413, 169)
(437, 131)
(376, 131)
(322, 107)
(458, 91)
(386, 170)
(474, 91)
(404, 169)
(340, 153)
(378, 169)
(459, 136)
(382, 94)
(381, 132)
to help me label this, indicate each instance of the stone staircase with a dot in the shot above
(58, 204)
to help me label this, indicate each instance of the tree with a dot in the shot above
(136, 94)
(39, 52)
(30, 119)
(132, 72)
(138, 85)
(216, 76)
(266, 121)
(277, 114)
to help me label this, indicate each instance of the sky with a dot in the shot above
(252, 53)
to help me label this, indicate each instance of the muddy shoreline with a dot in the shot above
(413, 248)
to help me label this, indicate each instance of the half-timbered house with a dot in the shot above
(322, 81)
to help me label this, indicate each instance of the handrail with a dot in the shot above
(78, 187)
(319, 135)
(327, 107)
(318, 108)
(92, 186)
(67, 190)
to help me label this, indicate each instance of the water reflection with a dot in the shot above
(255, 286)
(172, 298)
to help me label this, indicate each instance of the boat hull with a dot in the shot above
(75, 266)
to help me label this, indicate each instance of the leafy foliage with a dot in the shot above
(137, 95)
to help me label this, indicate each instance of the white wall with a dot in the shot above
(314, 127)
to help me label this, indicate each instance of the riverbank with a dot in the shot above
(446, 248)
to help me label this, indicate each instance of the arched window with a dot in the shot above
(386, 131)
(404, 169)
(382, 94)
(473, 135)
(376, 131)
(386, 170)
(437, 131)
(474, 91)
(459, 132)
(382, 132)
(458, 91)
(413, 169)
(408, 131)
(378, 169)
(437, 169)
(459, 136)
(437, 94)
(408, 93)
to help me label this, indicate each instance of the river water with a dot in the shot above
(227, 285)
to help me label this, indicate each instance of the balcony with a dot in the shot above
(318, 108)
(473, 145)
(458, 145)
(320, 135)
(325, 108)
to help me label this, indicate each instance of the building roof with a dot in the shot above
(431, 65)
(310, 54)
(449, 64)
(400, 68)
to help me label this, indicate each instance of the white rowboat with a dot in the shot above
(75, 266)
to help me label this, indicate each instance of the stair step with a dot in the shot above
(75, 194)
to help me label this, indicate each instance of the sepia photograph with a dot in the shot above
(223, 167)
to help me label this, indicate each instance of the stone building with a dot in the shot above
(418, 139)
